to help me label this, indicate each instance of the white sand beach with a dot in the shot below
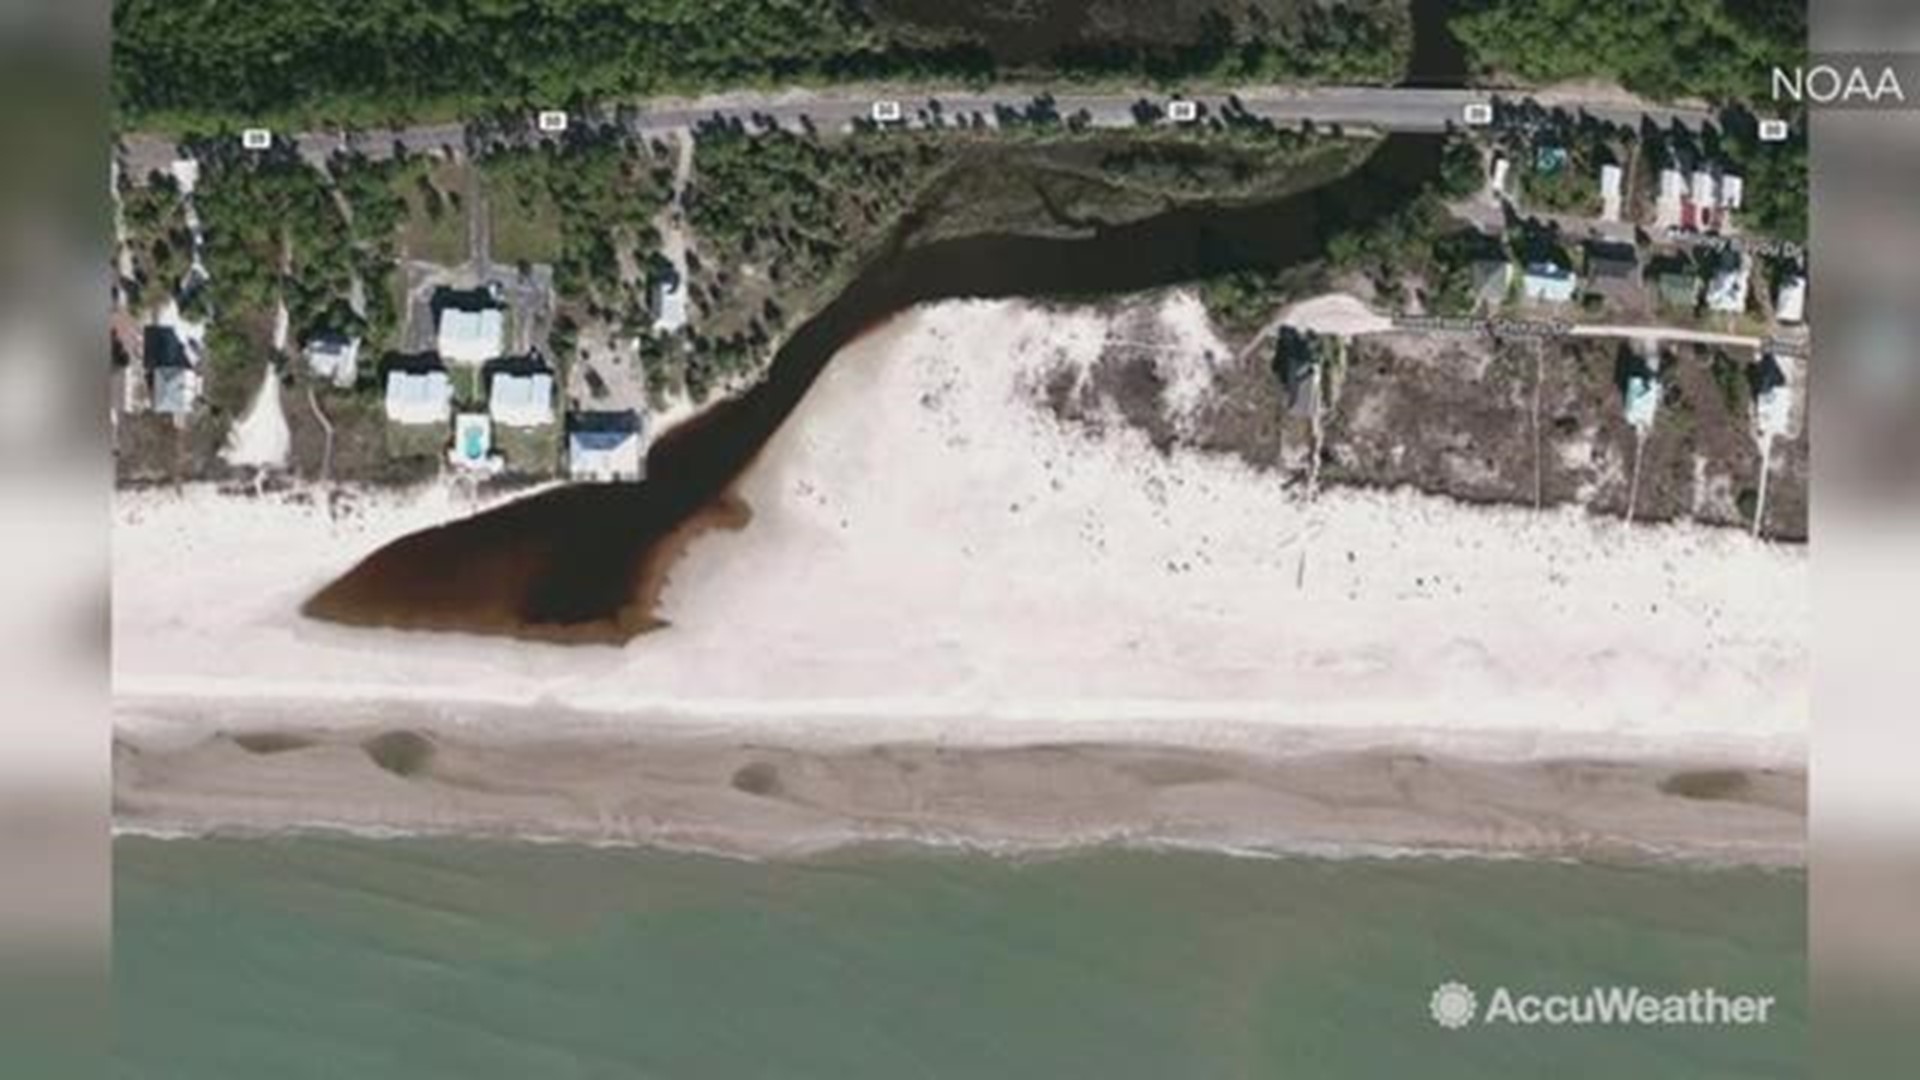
(934, 557)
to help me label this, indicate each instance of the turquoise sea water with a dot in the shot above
(334, 957)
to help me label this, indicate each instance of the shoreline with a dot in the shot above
(957, 616)
(739, 793)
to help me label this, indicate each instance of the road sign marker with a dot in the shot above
(1183, 112)
(1477, 114)
(1774, 130)
(553, 120)
(886, 112)
(256, 138)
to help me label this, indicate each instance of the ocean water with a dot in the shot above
(336, 957)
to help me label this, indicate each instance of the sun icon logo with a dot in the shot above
(1453, 1005)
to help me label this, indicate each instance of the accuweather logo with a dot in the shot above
(1454, 1005)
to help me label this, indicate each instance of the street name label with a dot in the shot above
(1477, 114)
(886, 112)
(552, 120)
(256, 138)
(1183, 112)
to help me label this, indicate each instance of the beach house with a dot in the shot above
(605, 446)
(1611, 192)
(418, 397)
(1727, 291)
(521, 399)
(334, 358)
(1772, 397)
(1790, 303)
(1548, 282)
(1642, 399)
(471, 335)
(669, 299)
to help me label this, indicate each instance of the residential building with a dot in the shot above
(1640, 385)
(1548, 282)
(1733, 192)
(605, 447)
(1669, 210)
(1790, 303)
(1727, 291)
(418, 397)
(176, 389)
(1772, 397)
(521, 399)
(1611, 192)
(336, 359)
(471, 335)
(173, 383)
(1642, 399)
(669, 300)
(1702, 202)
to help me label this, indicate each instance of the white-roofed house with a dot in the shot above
(1549, 282)
(1727, 291)
(1790, 304)
(334, 358)
(669, 299)
(471, 336)
(1733, 192)
(418, 397)
(521, 399)
(605, 447)
(1611, 192)
(1669, 210)
(1772, 398)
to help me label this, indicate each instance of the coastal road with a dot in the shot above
(1383, 108)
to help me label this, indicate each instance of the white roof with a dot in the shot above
(521, 400)
(1545, 281)
(334, 358)
(1791, 305)
(1643, 400)
(1728, 289)
(1500, 168)
(1610, 176)
(472, 337)
(1732, 191)
(421, 397)
(670, 306)
(175, 389)
(604, 455)
(1672, 184)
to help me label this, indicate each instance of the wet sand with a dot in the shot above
(414, 771)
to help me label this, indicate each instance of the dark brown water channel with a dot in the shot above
(586, 562)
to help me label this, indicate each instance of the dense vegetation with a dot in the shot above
(1720, 50)
(274, 230)
(298, 61)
